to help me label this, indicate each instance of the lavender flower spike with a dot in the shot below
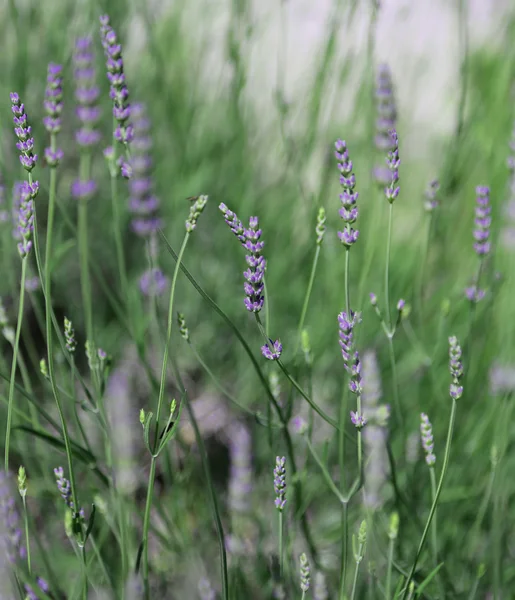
(23, 132)
(482, 221)
(280, 483)
(119, 92)
(25, 221)
(456, 368)
(348, 197)
(53, 108)
(305, 573)
(195, 212)
(350, 358)
(254, 285)
(86, 93)
(11, 537)
(426, 432)
(393, 162)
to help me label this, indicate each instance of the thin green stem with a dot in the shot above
(166, 350)
(307, 298)
(395, 382)
(434, 531)
(387, 268)
(27, 539)
(423, 265)
(281, 551)
(14, 362)
(388, 588)
(345, 548)
(437, 496)
(355, 581)
(146, 523)
(325, 473)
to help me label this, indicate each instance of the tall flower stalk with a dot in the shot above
(455, 392)
(26, 218)
(122, 132)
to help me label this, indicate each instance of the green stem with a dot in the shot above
(387, 269)
(166, 350)
(27, 541)
(307, 298)
(14, 362)
(423, 264)
(325, 473)
(395, 382)
(436, 497)
(388, 591)
(281, 565)
(355, 581)
(345, 548)
(434, 530)
(146, 523)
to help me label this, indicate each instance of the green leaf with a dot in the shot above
(428, 580)
(146, 430)
(91, 522)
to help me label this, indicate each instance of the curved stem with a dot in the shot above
(437, 496)
(307, 298)
(166, 350)
(14, 362)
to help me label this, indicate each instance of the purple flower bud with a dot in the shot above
(373, 299)
(280, 483)
(25, 220)
(393, 162)
(474, 294)
(83, 190)
(350, 357)
(273, 350)
(400, 305)
(359, 421)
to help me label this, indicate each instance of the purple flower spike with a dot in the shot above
(12, 543)
(426, 432)
(119, 92)
(358, 420)
(63, 485)
(254, 276)
(431, 196)
(393, 162)
(348, 197)
(350, 357)
(273, 350)
(234, 223)
(143, 203)
(482, 221)
(280, 483)
(86, 93)
(53, 108)
(456, 368)
(386, 109)
(25, 220)
(23, 132)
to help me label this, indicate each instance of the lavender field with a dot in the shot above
(256, 308)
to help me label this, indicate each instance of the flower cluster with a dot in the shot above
(86, 93)
(143, 203)
(393, 162)
(64, 487)
(272, 350)
(23, 132)
(386, 119)
(350, 358)
(348, 197)
(280, 482)
(431, 196)
(53, 108)
(153, 282)
(241, 473)
(482, 221)
(426, 433)
(305, 573)
(195, 211)
(456, 368)
(11, 538)
(386, 109)
(119, 92)
(69, 336)
(25, 220)
(43, 586)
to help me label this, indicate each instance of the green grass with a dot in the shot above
(208, 140)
